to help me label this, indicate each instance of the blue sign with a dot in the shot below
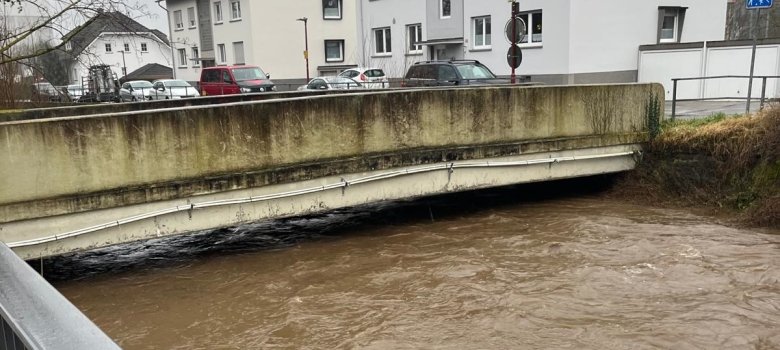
(759, 4)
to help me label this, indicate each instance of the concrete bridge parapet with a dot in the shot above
(59, 167)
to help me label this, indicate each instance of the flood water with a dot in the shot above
(512, 268)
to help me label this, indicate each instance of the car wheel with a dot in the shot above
(133, 99)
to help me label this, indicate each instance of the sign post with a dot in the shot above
(754, 5)
(514, 30)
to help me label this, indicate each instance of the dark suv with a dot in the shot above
(450, 73)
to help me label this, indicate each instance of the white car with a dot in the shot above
(136, 90)
(75, 92)
(331, 83)
(371, 78)
(169, 89)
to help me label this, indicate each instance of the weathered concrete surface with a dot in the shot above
(78, 164)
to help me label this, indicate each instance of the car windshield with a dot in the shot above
(475, 71)
(176, 83)
(339, 82)
(249, 73)
(142, 84)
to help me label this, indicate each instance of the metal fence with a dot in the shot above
(749, 98)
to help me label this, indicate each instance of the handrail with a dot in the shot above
(37, 315)
(748, 98)
(343, 184)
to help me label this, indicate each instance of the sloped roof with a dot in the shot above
(150, 72)
(104, 22)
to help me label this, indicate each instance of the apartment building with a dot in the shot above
(567, 41)
(269, 34)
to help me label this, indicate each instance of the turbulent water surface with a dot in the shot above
(499, 269)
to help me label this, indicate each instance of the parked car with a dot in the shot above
(45, 91)
(450, 73)
(331, 83)
(75, 92)
(136, 90)
(234, 80)
(371, 78)
(168, 89)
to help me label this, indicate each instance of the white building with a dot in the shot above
(18, 18)
(570, 41)
(266, 34)
(116, 40)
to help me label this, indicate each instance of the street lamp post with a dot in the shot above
(124, 65)
(170, 37)
(306, 43)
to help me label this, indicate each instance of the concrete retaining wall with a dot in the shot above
(61, 165)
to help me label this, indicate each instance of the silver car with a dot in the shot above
(168, 89)
(331, 83)
(136, 90)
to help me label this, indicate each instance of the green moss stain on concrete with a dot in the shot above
(58, 157)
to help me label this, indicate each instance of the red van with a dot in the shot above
(227, 80)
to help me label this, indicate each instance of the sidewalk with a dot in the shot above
(698, 109)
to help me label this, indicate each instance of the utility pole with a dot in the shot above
(306, 43)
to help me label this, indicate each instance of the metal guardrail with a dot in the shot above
(749, 98)
(34, 315)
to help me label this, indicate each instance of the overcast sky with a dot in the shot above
(157, 20)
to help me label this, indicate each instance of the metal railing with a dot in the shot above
(748, 98)
(34, 315)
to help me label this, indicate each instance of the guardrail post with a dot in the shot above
(674, 98)
(763, 93)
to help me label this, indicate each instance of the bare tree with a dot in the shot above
(51, 19)
(34, 34)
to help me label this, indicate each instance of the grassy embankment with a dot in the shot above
(719, 162)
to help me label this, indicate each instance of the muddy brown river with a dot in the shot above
(513, 268)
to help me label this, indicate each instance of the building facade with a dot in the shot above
(567, 41)
(271, 35)
(113, 39)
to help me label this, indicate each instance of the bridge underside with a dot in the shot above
(84, 182)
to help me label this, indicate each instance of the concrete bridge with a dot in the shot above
(84, 181)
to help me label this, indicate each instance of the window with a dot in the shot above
(182, 58)
(481, 32)
(144, 48)
(382, 41)
(222, 54)
(195, 57)
(108, 48)
(178, 20)
(235, 10)
(669, 26)
(218, 12)
(533, 25)
(414, 37)
(127, 47)
(191, 16)
(331, 9)
(238, 52)
(445, 9)
(334, 50)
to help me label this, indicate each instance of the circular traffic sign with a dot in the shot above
(519, 30)
(514, 56)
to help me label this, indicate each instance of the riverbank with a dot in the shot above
(719, 163)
